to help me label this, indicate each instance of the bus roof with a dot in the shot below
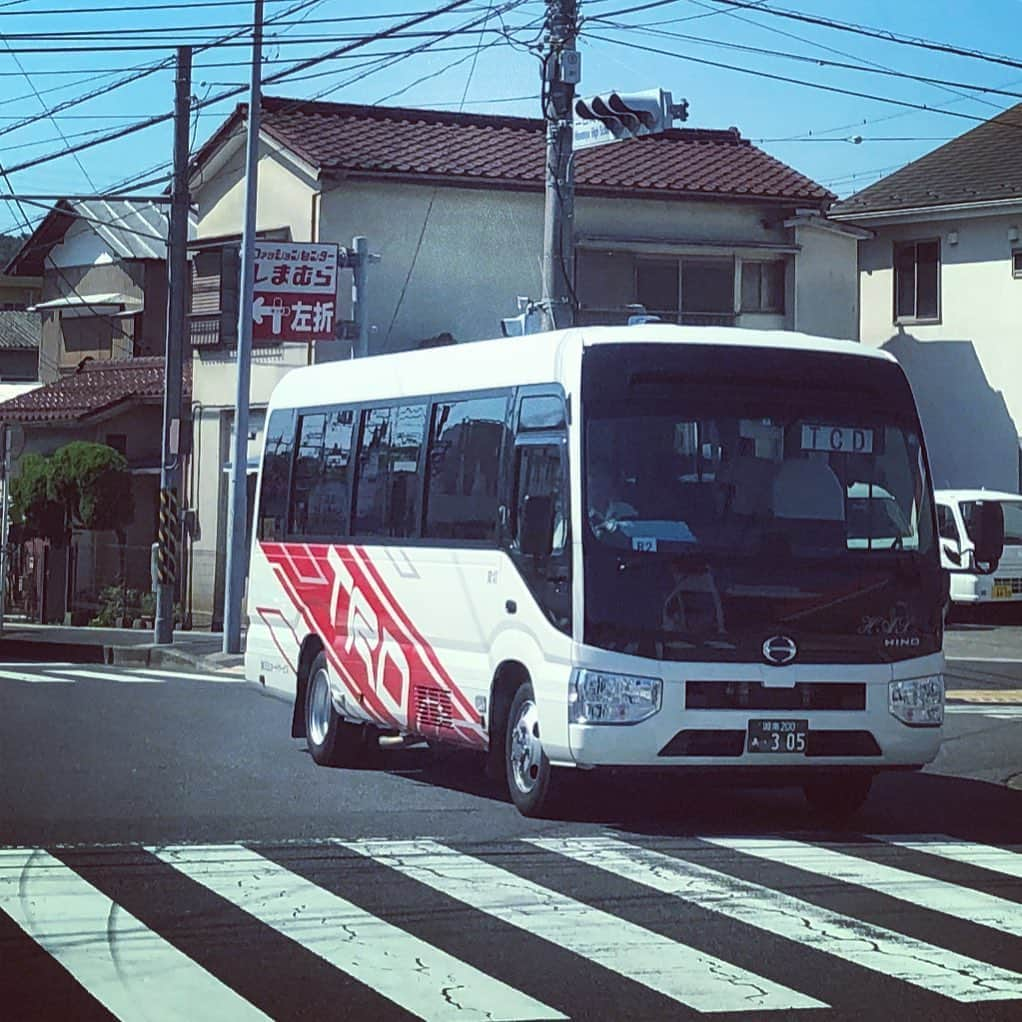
(515, 361)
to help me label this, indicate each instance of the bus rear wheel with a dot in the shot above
(529, 773)
(331, 740)
(838, 797)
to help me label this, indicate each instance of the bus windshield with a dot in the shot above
(778, 484)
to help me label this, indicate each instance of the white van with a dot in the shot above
(955, 510)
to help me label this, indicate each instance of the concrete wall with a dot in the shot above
(966, 370)
(826, 294)
(214, 383)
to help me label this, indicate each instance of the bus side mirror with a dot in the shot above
(987, 528)
(536, 526)
(951, 551)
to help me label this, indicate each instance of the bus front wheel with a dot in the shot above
(529, 773)
(331, 740)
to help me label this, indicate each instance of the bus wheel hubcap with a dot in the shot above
(319, 707)
(526, 749)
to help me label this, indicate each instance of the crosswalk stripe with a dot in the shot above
(122, 677)
(926, 892)
(997, 860)
(35, 678)
(421, 978)
(170, 674)
(872, 947)
(131, 970)
(675, 970)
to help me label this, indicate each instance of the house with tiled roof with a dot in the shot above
(940, 278)
(100, 332)
(697, 225)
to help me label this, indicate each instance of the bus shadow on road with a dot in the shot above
(662, 803)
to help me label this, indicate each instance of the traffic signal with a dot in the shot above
(620, 115)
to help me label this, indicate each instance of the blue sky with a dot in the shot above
(807, 128)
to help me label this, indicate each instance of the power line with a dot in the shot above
(774, 30)
(136, 75)
(801, 82)
(874, 33)
(230, 93)
(816, 61)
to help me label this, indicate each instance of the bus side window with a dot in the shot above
(276, 475)
(463, 472)
(389, 471)
(307, 470)
(539, 473)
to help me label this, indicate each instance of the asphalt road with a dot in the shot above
(168, 851)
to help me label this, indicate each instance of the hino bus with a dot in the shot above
(612, 547)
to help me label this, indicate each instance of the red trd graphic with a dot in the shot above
(384, 662)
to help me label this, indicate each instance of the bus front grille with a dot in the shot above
(754, 695)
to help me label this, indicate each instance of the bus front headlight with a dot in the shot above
(918, 702)
(599, 697)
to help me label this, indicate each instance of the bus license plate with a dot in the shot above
(1002, 591)
(778, 736)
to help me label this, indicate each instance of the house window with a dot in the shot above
(917, 281)
(1016, 262)
(763, 286)
(687, 289)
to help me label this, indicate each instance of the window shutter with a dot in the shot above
(230, 285)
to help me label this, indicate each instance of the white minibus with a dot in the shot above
(652, 547)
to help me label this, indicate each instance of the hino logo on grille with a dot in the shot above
(779, 649)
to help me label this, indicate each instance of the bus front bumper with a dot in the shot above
(678, 737)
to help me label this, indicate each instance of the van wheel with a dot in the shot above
(331, 740)
(837, 797)
(529, 774)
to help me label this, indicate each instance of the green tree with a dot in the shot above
(80, 486)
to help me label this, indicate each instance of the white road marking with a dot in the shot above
(675, 970)
(127, 967)
(421, 978)
(927, 892)
(35, 679)
(121, 677)
(872, 947)
(170, 675)
(982, 660)
(998, 711)
(997, 860)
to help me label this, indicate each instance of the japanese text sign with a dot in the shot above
(295, 291)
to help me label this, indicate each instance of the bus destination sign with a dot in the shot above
(294, 296)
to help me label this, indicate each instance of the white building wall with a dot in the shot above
(826, 294)
(966, 370)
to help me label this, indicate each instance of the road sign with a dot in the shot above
(295, 292)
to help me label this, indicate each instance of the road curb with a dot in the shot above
(15, 650)
(990, 696)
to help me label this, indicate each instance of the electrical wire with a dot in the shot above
(816, 61)
(806, 84)
(874, 33)
(238, 90)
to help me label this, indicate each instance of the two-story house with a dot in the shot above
(101, 320)
(699, 226)
(940, 280)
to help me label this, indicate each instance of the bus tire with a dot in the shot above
(330, 739)
(530, 777)
(837, 797)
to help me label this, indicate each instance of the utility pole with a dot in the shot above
(177, 293)
(237, 502)
(561, 72)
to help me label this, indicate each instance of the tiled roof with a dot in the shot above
(508, 152)
(94, 388)
(983, 165)
(19, 330)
